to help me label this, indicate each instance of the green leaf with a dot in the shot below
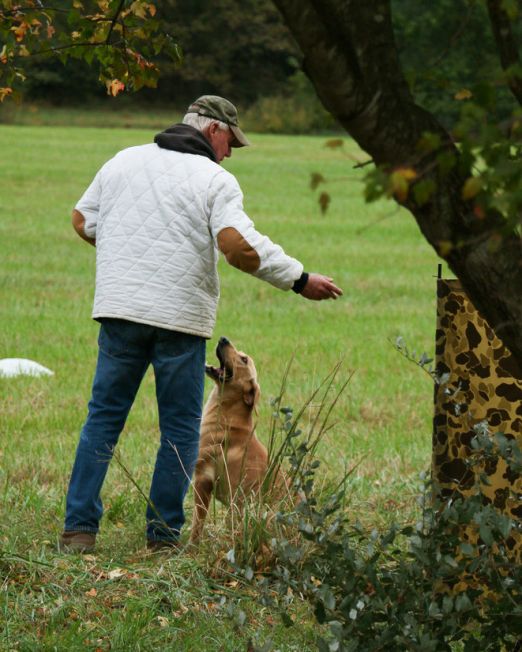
(485, 534)
(511, 8)
(463, 603)
(434, 611)
(423, 191)
(467, 549)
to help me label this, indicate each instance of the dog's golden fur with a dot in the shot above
(232, 461)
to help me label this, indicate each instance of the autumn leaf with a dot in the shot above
(408, 173)
(92, 593)
(463, 94)
(479, 212)
(399, 182)
(114, 87)
(139, 8)
(324, 201)
(116, 573)
(4, 92)
(20, 31)
(444, 248)
(471, 187)
(181, 611)
(315, 179)
(335, 143)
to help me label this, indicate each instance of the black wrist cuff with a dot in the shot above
(298, 286)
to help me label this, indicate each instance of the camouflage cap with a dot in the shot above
(213, 106)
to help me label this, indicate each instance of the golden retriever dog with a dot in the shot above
(232, 461)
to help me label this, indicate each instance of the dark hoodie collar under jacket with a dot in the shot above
(185, 139)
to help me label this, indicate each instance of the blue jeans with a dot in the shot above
(125, 351)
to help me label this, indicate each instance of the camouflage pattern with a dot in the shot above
(484, 383)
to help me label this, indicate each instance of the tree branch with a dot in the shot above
(114, 20)
(506, 45)
(83, 44)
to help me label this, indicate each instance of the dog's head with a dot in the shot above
(236, 374)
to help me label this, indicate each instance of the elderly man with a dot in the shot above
(158, 215)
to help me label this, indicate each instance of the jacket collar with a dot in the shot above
(185, 139)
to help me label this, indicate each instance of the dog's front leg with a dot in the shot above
(203, 488)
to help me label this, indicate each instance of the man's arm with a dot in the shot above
(319, 287)
(78, 222)
(251, 252)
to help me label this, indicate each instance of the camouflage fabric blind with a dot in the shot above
(484, 384)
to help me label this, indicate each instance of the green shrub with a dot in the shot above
(446, 582)
(298, 111)
(417, 587)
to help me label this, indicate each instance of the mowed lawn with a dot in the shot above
(382, 421)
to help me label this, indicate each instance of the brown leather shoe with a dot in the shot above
(77, 542)
(163, 545)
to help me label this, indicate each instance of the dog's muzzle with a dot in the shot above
(224, 372)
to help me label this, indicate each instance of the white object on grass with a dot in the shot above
(10, 367)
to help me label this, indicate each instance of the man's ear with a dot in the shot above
(251, 394)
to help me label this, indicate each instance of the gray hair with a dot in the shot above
(201, 122)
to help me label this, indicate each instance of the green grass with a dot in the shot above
(374, 252)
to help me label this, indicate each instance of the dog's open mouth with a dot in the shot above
(222, 373)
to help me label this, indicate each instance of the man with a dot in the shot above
(158, 215)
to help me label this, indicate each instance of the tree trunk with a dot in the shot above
(351, 58)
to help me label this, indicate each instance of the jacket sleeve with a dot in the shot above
(236, 237)
(89, 206)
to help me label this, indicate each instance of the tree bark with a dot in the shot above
(351, 58)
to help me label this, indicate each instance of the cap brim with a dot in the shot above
(240, 140)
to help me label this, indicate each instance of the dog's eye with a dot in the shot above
(244, 359)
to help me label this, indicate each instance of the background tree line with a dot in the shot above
(242, 49)
(422, 89)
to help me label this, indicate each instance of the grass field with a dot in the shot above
(374, 252)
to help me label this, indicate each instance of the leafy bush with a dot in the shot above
(447, 582)
(298, 111)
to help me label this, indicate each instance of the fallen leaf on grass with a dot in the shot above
(180, 612)
(92, 593)
(116, 573)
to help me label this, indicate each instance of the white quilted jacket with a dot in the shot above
(156, 214)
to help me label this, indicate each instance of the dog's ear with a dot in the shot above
(251, 393)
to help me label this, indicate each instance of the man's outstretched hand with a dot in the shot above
(320, 287)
